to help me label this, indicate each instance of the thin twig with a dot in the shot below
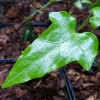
(34, 13)
(67, 8)
(84, 23)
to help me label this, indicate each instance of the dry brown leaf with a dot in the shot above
(98, 76)
(3, 39)
(73, 75)
(38, 5)
(85, 85)
(93, 79)
(62, 84)
(57, 98)
(61, 93)
(13, 11)
(2, 76)
(93, 97)
(54, 75)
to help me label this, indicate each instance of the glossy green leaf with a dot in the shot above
(95, 20)
(59, 45)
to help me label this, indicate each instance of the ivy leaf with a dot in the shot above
(95, 20)
(95, 4)
(59, 45)
(86, 1)
(79, 3)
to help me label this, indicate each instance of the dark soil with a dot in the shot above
(86, 84)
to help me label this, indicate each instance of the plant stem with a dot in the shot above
(67, 8)
(84, 23)
(34, 2)
(34, 13)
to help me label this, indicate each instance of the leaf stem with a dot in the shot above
(36, 12)
(84, 23)
(34, 2)
(67, 7)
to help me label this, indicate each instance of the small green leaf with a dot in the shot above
(95, 4)
(28, 33)
(59, 45)
(78, 4)
(55, 0)
(86, 1)
(95, 63)
(95, 20)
